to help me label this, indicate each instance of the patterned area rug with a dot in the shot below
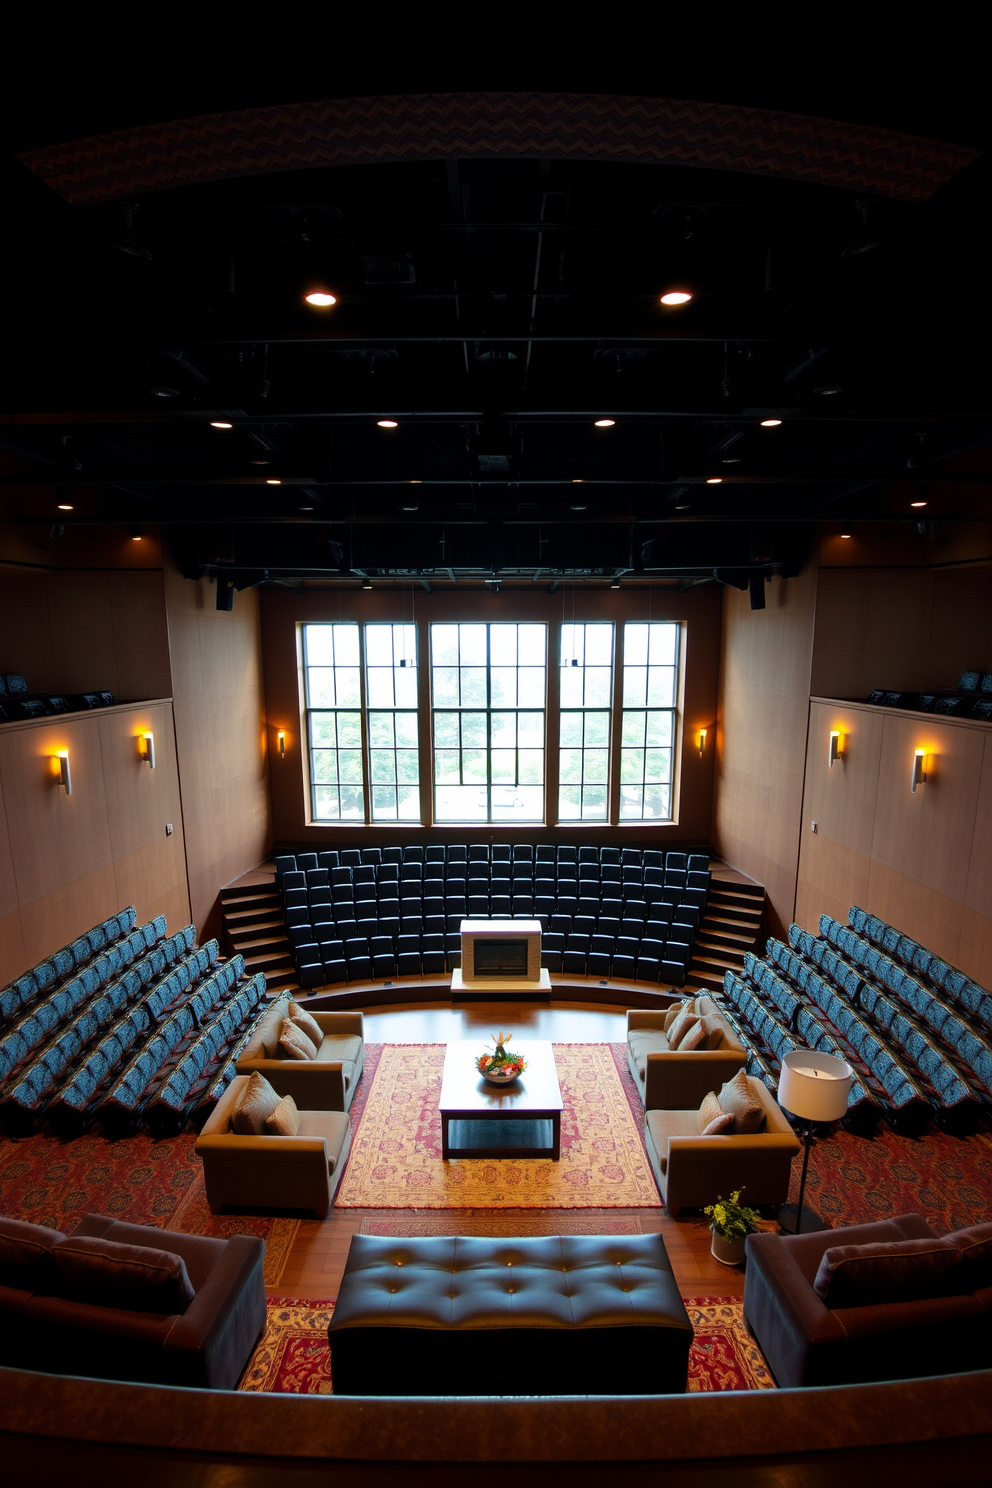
(54, 1183)
(293, 1357)
(500, 1225)
(856, 1180)
(396, 1163)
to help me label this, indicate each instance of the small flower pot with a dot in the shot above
(500, 1076)
(729, 1252)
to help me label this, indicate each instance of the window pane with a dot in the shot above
(650, 688)
(571, 729)
(444, 645)
(446, 730)
(503, 645)
(472, 645)
(380, 688)
(585, 682)
(570, 687)
(473, 687)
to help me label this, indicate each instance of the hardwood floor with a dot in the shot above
(320, 1250)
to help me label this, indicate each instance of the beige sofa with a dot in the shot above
(692, 1171)
(270, 1172)
(326, 1083)
(670, 1079)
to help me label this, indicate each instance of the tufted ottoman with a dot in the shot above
(544, 1315)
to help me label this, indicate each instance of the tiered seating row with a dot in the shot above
(397, 911)
(144, 999)
(19, 995)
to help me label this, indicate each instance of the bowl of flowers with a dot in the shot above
(501, 1067)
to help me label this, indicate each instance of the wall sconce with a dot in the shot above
(919, 776)
(281, 741)
(701, 742)
(64, 773)
(836, 749)
(146, 749)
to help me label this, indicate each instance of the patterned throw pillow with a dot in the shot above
(693, 1038)
(708, 1111)
(309, 1025)
(285, 1119)
(255, 1107)
(293, 1042)
(677, 1030)
(720, 1126)
(737, 1100)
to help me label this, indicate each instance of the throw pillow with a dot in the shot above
(676, 1031)
(709, 1110)
(310, 1026)
(138, 1278)
(26, 1261)
(293, 1042)
(713, 1029)
(285, 1119)
(887, 1271)
(975, 1245)
(720, 1126)
(738, 1100)
(673, 1012)
(255, 1107)
(693, 1038)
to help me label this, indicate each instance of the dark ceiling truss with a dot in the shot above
(494, 308)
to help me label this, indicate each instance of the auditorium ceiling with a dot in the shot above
(498, 387)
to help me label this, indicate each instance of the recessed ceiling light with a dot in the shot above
(273, 480)
(578, 480)
(912, 503)
(220, 424)
(164, 392)
(261, 462)
(615, 583)
(409, 506)
(583, 507)
(714, 480)
(387, 423)
(676, 297)
(845, 534)
(64, 507)
(136, 539)
(770, 423)
(416, 483)
(321, 299)
(732, 460)
(367, 584)
(605, 423)
(828, 390)
(682, 506)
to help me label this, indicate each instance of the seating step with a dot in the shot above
(722, 939)
(249, 890)
(248, 944)
(266, 916)
(279, 960)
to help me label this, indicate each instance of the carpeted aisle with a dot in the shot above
(293, 1356)
(396, 1163)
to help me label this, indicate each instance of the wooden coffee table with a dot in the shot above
(522, 1119)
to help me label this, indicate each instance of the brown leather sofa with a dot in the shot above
(692, 1171)
(326, 1083)
(673, 1079)
(270, 1172)
(206, 1346)
(806, 1343)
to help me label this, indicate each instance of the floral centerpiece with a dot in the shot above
(502, 1066)
(731, 1223)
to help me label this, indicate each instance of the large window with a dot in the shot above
(342, 789)
(488, 692)
(586, 703)
(616, 722)
(647, 733)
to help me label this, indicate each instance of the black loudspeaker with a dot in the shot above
(756, 584)
(225, 595)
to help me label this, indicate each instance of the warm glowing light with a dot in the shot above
(273, 480)
(220, 424)
(321, 299)
(136, 538)
(835, 749)
(676, 297)
(770, 423)
(281, 737)
(912, 503)
(416, 483)
(605, 423)
(63, 771)
(387, 423)
(578, 480)
(845, 535)
(64, 507)
(146, 749)
(714, 480)
(919, 775)
(701, 741)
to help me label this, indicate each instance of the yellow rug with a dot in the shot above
(395, 1160)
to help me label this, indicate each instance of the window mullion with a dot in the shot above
(364, 733)
(425, 725)
(552, 729)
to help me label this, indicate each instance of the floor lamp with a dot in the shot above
(813, 1087)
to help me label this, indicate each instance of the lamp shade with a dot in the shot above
(814, 1086)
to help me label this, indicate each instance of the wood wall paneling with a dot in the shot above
(763, 716)
(219, 709)
(282, 612)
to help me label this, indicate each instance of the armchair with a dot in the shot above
(270, 1172)
(692, 1171)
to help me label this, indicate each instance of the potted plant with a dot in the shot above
(731, 1222)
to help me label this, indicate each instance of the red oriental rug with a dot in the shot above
(293, 1356)
(54, 1183)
